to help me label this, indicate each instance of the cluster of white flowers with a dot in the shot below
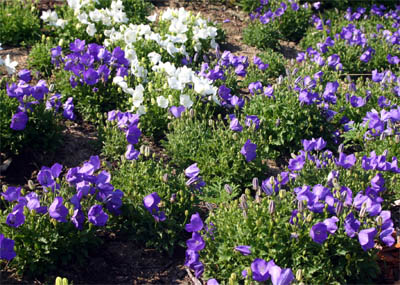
(8, 63)
(51, 18)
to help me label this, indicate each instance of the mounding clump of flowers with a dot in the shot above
(55, 221)
(30, 115)
(339, 212)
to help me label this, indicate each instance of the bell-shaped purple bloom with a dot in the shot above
(331, 224)
(91, 76)
(195, 225)
(69, 109)
(346, 161)
(192, 257)
(177, 111)
(195, 243)
(6, 248)
(366, 238)
(97, 216)
(260, 269)
(16, 218)
(252, 120)
(78, 219)
(249, 150)
(58, 211)
(243, 249)
(34, 203)
(25, 75)
(212, 281)
(319, 232)
(296, 164)
(77, 46)
(351, 225)
(18, 121)
(12, 194)
(281, 276)
(192, 171)
(131, 153)
(133, 134)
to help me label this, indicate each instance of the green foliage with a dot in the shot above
(141, 178)
(39, 58)
(216, 149)
(284, 121)
(42, 132)
(260, 36)
(19, 22)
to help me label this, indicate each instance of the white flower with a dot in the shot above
(118, 80)
(203, 86)
(83, 18)
(74, 4)
(175, 84)
(95, 16)
(10, 65)
(152, 18)
(185, 75)
(185, 101)
(141, 110)
(50, 17)
(171, 49)
(154, 57)
(61, 23)
(137, 96)
(91, 29)
(162, 102)
(130, 36)
(178, 27)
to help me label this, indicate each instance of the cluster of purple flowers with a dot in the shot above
(29, 95)
(263, 271)
(128, 123)
(318, 197)
(151, 202)
(195, 244)
(86, 184)
(269, 15)
(195, 181)
(92, 63)
(250, 121)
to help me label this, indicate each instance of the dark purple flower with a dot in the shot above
(39, 90)
(357, 101)
(25, 75)
(69, 109)
(234, 125)
(195, 225)
(366, 238)
(34, 203)
(249, 150)
(196, 243)
(78, 219)
(58, 211)
(12, 193)
(91, 76)
(77, 46)
(260, 269)
(393, 59)
(133, 134)
(6, 248)
(255, 87)
(97, 216)
(18, 121)
(243, 249)
(319, 232)
(16, 218)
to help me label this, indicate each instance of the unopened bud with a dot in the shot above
(282, 193)
(300, 206)
(191, 113)
(228, 189)
(299, 274)
(339, 208)
(271, 207)
(186, 213)
(165, 178)
(255, 184)
(380, 221)
(363, 209)
(173, 198)
(4, 187)
(309, 217)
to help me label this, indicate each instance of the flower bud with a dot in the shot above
(59, 281)
(26, 211)
(282, 193)
(165, 178)
(255, 184)
(235, 136)
(186, 213)
(228, 189)
(380, 221)
(258, 222)
(363, 210)
(309, 217)
(4, 187)
(300, 206)
(191, 113)
(271, 207)
(339, 208)
(299, 274)
(173, 198)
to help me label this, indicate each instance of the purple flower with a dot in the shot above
(243, 249)
(12, 194)
(16, 218)
(196, 243)
(69, 109)
(252, 120)
(351, 225)
(331, 224)
(77, 46)
(58, 211)
(78, 219)
(281, 276)
(34, 203)
(366, 238)
(91, 76)
(25, 75)
(296, 164)
(131, 153)
(234, 125)
(260, 269)
(6, 248)
(97, 216)
(195, 225)
(177, 111)
(269, 91)
(319, 232)
(151, 202)
(133, 134)
(393, 59)
(192, 171)
(357, 101)
(249, 150)
(212, 282)
(255, 87)
(18, 121)
(346, 161)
